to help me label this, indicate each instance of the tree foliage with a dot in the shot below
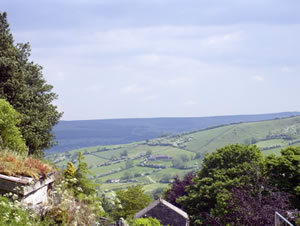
(87, 186)
(178, 188)
(130, 201)
(70, 171)
(221, 171)
(284, 172)
(10, 135)
(23, 86)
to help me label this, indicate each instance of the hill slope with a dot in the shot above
(155, 162)
(77, 134)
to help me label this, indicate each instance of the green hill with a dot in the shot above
(84, 133)
(155, 162)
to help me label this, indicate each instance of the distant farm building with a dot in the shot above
(165, 212)
(113, 181)
(158, 157)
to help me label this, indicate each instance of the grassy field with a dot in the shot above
(111, 162)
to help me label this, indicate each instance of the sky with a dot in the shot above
(163, 58)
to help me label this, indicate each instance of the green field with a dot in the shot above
(185, 150)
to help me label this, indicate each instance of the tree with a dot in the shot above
(10, 135)
(178, 188)
(221, 171)
(129, 164)
(23, 86)
(178, 163)
(70, 171)
(148, 153)
(249, 207)
(284, 172)
(165, 178)
(184, 158)
(130, 201)
(86, 185)
(252, 205)
(124, 154)
(127, 175)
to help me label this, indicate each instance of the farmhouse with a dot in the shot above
(165, 212)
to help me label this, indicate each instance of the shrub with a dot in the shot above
(146, 222)
(12, 213)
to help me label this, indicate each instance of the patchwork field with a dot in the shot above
(155, 162)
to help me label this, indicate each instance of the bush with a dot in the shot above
(12, 213)
(146, 222)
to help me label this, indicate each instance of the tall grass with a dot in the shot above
(14, 164)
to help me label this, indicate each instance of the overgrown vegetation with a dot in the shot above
(13, 164)
(10, 135)
(23, 86)
(237, 186)
(13, 213)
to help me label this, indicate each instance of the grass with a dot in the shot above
(12, 164)
(198, 142)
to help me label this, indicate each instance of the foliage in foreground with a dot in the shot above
(146, 222)
(23, 86)
(237, 186)
(129, 202)
(10, 135)
(13, 164)
(284, 172)
(75, 201)
(66, 209)
(13, 214)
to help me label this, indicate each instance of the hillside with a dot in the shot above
(155, 162)
(77, 134)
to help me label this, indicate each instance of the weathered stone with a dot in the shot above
(31, 191)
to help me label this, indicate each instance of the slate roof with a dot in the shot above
(165, 203)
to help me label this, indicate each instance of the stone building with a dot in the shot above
(165, 212)
(29, 190)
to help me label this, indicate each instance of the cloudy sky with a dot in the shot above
(164, 58)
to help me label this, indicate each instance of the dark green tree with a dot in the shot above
(284, 172)
(221, 171)
(23, 86)
(129, 164)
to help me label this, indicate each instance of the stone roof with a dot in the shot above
(10, 183)
(165, 203)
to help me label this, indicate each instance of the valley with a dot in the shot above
(155, 162)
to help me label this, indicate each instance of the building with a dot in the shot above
(29, 190)
(158, 157)
(165, 212)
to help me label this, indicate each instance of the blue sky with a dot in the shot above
(164, 58)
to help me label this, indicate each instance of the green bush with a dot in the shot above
(146, 222)
(12, 213)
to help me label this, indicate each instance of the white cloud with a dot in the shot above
(93, 88)
(287, 69)
(150, 98)
(190, 102)
(132, 89)
(258, 78)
